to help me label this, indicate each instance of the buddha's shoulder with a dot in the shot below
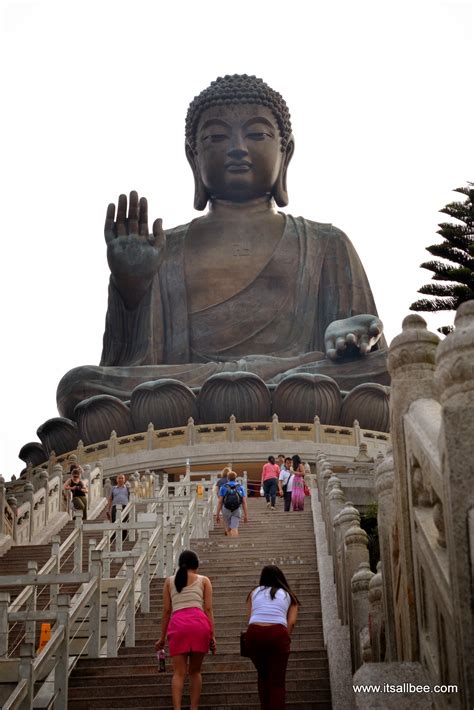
(319, 229)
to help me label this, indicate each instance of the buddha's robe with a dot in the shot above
(270, 326)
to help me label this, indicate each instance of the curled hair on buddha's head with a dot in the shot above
(238, 89)
(187, 560)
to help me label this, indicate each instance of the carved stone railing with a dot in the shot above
(101, 615)
(416, 612)
(231, 432)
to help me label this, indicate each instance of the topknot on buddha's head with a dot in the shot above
(238, 89)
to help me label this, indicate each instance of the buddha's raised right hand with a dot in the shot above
(134, 255)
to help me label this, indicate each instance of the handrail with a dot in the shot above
(177, 515)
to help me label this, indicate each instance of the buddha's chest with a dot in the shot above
(221, 258)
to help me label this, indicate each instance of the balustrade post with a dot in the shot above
(376, 616)
(275, 427)
(44, 484)
(78, 542)
(4, 603)
(61, 671)
(145, 582)
(118, 532)
(87, 477)
(169, 551)
(30, 626)
(357, 434)
(150, 434)
(2, 507)
(384, 483)
(112, 444)
(25, 672)
(106, 560)
(112, 622)
(360, 611)
(231, 429)
(92, 545)
(13, 503)
(95, 631)
(190, 432)
(130, 613)
(55, 552)
(132, 518)
(356, 554)
(29, 498)
(317, 430)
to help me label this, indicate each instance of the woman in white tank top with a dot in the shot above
(273, 610)
(188, 624)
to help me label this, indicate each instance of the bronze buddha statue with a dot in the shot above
(243, 288)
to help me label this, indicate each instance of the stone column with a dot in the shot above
(348, 517)
(384, 481)
(376, 617)
(336, 502)
(360, 611)
(411, 362)
(356, 553)
(44, 485)
(455, 379)
(29, 496)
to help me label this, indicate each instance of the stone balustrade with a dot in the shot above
(414, 613)
(165, 441)
(100, 616)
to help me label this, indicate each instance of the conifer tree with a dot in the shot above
(457, 277)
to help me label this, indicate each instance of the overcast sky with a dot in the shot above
(94, 96)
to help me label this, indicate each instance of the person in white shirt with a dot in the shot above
(284, 483)
(273, 610)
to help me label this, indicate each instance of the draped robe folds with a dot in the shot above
(269, 327)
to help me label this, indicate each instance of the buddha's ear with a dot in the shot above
(280, 193)
(201, 195)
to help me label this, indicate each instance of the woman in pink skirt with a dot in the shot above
(189, 621)
(297, 489)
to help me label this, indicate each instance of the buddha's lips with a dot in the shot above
(238, 167)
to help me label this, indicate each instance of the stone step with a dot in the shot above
(219, 690)
(315, 704)
(152, 677)
(315, 657)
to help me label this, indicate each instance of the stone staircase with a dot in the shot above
(229, 681)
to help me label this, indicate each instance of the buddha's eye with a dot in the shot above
(259, 135)
(215, 137)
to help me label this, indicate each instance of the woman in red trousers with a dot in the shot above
(273, 609)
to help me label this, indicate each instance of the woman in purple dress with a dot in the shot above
(297, 490)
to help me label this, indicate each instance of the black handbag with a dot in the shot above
(243, 645)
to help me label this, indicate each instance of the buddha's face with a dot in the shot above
(238, 151)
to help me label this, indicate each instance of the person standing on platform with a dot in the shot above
(284, 483)
(273, 609)
(188, 623)
(270, 475)
(232, 499)
(119, 495)
(79, 490)
(297, 484)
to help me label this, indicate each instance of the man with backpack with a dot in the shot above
(232, 499)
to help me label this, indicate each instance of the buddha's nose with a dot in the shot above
(237, 152)
(237, 148)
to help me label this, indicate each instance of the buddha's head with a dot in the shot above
(239, 141)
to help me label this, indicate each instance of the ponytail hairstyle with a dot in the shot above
(187, 560)
(272, 576)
